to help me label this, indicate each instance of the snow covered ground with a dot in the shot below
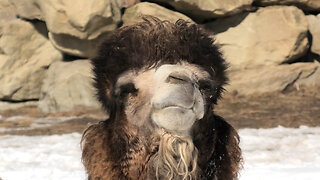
(277, 154)
(54, 157)
(281, 153)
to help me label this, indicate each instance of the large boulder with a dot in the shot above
(201, 10)
(25, 57)
(133, 14)
(67, 87)
(270, 36)
(314, 28)
(307, 5)
(74, 27)
(7, 14)
(273, 78)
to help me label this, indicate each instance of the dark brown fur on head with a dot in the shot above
(151, 43)
(114, 149)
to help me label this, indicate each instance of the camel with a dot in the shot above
(159, 82)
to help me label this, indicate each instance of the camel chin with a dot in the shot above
(174, 118)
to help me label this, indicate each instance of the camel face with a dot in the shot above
(169, 96)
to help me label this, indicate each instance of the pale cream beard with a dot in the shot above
(176, 158)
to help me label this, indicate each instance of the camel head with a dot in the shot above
(159, 82)
(161, 74)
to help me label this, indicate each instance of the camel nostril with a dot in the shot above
(178, 78)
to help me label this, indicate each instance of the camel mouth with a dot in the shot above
(162, 104)
(176, 107)
(174, 118)
(183, 109)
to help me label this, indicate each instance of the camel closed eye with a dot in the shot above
(127, 89)
(176, 78)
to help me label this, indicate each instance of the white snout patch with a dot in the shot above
(174, 118)
(176, 106)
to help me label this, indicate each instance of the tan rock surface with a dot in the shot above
(5, 5)
(7, 11)
(308, 5)
(26, 55)
(79, 23)
(27, 9)
(270, 36)
(134, 13)
(273, 78)
(208, 9)
(314, 28)
(67, 87)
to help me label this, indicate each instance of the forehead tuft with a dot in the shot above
(155, 42)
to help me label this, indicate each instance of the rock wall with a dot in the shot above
(271, 45)
(270, 36)
(68, 86)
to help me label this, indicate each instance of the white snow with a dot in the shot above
(54, 157)
(281, 153)
(277, 154)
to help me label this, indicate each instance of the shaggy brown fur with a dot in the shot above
(117, 149)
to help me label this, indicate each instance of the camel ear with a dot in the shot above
(226, 160)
